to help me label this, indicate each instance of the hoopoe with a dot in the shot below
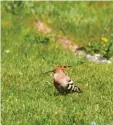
(62, 82)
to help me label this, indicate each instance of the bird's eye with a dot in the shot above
(54, 70)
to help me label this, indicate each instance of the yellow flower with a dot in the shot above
(104, 39)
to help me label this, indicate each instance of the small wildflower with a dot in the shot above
(7, 51)
(104, 39)
(93, 123)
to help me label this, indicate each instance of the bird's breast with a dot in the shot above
(60, 80)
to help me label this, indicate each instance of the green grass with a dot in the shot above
(29, 97)
(82, 21)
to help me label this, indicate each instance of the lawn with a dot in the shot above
(28, 95)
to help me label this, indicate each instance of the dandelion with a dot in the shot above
(104, 39)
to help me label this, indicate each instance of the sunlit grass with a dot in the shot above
(29, 97)
(83, 21)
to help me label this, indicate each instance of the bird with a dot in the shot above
(62, 82)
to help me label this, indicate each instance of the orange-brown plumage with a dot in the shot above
(62, 82)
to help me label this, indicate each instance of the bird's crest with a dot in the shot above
(58, 68)
(62, 67)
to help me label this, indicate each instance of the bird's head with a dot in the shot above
(59, 68)
(62, 67)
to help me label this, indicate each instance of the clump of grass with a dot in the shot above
(106, 49)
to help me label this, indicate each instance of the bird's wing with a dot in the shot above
(69, 80)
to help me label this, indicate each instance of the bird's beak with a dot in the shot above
(49, 71)
(69, 66)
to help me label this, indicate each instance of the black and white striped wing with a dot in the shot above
(71, 87)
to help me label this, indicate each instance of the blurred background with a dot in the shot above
(88, 24)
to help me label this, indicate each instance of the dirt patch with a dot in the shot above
(67, 43)
(42, 27)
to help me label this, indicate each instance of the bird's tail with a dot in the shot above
(73, 88)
